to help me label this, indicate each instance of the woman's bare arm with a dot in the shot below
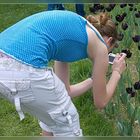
(62, 71)
(98, 53)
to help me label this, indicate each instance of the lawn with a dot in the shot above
(93, 121)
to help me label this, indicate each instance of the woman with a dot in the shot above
(63, 36)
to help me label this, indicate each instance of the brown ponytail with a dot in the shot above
(104, 24)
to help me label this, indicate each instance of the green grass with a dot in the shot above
(93, 122)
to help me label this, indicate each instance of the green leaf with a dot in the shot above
(130, 110)
(137, 116)
(120, 128)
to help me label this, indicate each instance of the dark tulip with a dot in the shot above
(137, 15)
(131, 8)
(120, 36)
(124, 51)
(124, 14)
(135, 9)
(124, 26)
(131, 5)
(123, 5)
(128, 53)
(112, 5)
(136, 38)
(137, 85)
(108, 9)
(119, 18)
(97, 6)
(92, 9)
(133, 94)
(102, 7)
(129, 90)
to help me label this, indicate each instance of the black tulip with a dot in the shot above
(112, 5)
(133, 94)
(124, 14)
(124, 26)
(137, 85)
(135, 9)
(131, 5)
(137, 15)
(136, 38)
(123, 5)
(124, 51)
(102, 7)
(109, 9)
(120, 36)
(97, 6)
(129, 90)
(131, 9)
(92, 9)
(127, 52)
(119, 18)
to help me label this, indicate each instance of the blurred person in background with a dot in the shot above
(56, 7)
(79, 8)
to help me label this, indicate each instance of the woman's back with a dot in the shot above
(57, 35)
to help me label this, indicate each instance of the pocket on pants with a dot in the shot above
(10, 89)
(60, 115)
(66, 121)
(24, 91)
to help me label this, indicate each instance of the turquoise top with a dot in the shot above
(50, 35)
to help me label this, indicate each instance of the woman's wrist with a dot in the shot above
(117, 72)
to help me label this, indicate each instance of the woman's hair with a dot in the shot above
(104, 24)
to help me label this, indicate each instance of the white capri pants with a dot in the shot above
(41, 93)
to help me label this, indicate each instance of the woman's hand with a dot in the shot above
(119, 64)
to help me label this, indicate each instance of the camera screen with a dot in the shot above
(111, 58)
